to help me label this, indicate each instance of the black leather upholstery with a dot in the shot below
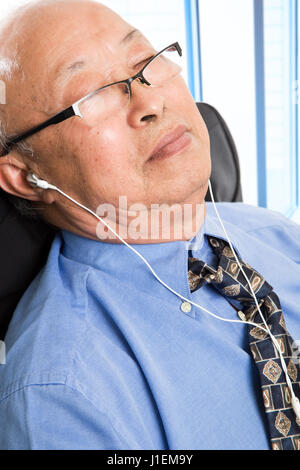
(24, 243)
(225, 177)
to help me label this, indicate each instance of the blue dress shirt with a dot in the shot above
(102, 356)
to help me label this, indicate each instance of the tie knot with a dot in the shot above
(227, 276)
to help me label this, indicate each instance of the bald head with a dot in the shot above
(39, 21)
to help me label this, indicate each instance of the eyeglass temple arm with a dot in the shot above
(67, 113)
(179, 50)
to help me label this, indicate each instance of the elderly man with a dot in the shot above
(100, 355)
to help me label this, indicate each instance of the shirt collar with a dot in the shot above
(98, 254)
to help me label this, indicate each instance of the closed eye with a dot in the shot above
(144, 62)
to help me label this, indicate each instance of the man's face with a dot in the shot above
(79, 51)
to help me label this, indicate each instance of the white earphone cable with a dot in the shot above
(294, 400)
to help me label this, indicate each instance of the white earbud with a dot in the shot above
(34, 180)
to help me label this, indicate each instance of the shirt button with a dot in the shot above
(186, 307)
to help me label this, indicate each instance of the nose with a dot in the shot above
(147, 104)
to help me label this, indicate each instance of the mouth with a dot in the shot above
(172, 144)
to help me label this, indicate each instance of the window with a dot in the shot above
(280, 36)
(277, 110)
(228, 79)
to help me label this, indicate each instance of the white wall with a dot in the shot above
(227, 37)
(6, 6)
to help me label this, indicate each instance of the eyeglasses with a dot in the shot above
(111, 98)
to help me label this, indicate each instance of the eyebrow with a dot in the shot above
(77, 65)
(67, 71)
(130, 36)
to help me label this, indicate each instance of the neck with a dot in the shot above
(160, 224)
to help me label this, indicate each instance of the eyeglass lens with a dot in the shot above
(113, 98)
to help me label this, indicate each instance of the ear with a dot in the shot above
(13, 180)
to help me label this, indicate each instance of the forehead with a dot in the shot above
(78, 55)
(101, 33)
(57, 40)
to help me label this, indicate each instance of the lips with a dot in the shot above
(171, 143)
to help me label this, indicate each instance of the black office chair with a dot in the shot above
(25, 243)
(226, 176)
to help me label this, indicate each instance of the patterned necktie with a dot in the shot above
(230, 282)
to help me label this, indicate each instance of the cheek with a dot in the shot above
(180, 100)
(179, 93)
(109, 147)
(186, 105)
(102, 145)
(202, 129)
(106, 160)
(110, 137)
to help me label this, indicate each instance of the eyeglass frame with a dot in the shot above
(73, 110)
